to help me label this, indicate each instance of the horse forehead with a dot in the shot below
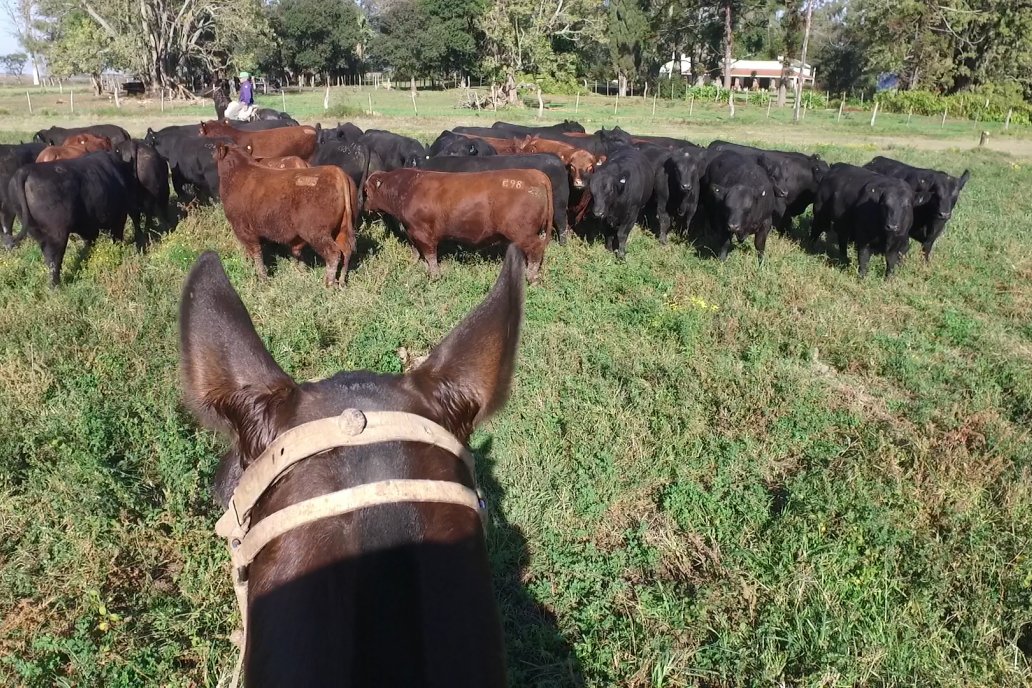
(359, 389)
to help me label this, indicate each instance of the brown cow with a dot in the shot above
(469, 207)
(581, 163)
(286, 162)
(269, 143)
(75, 147)
(310, 206)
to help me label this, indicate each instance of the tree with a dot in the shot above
(552, 39)
(627, 31)
(317, 37)
(14, 64)
(802, 61)
(451, 35)
(944, 46)
(397, 41)
(171, 43)
(79, 46)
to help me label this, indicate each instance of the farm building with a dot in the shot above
(764, 74)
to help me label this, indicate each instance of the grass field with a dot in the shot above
(708, 474)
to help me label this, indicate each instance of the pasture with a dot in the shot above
(708, 474)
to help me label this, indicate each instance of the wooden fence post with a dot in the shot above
(370, 104)
(910, 115)
(414, 108)
(71, 100)
(283, 96)
(1006, 126)
(874, 115)
(691, 105)
(768, 105)
(841, 104)
(576, 108)
(944, 113)
(655, 95)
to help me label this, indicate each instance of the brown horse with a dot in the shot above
(393, 595)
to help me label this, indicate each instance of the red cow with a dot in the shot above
(270, 143)
(75, 147)
(470, 207)
(293, 207)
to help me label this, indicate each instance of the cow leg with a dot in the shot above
(843, 244)
(118, 229)
(760, 240)
(330, 252)
(345, 242)
(7, 221)
(725, 248)
(253, 249)
(662, 213)
(621, 239)
(434, 269)
(53, 254)
(865, 258)
(892, 257)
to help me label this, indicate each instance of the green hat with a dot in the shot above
(245, 75)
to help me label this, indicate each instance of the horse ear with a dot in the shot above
(230, 381)
(467, 376)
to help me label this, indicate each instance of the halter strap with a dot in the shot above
(350, 429)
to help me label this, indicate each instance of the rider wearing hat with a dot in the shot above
(246, 89)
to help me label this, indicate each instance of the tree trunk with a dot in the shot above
(95, 80)
(728, 45)
(622, 85)
(802, 63)
(782, 89)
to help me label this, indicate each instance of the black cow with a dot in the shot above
(550, 164)
(190, 160)
(175, 131)
(12, 157)
(620, 189)
(566, 126)
(55, 136)
(935, 195)
(355, 159)
(689, 164)
(270, 115)
(617, 135)
(151, 174)
(394, 150)
(739, 199)
(795, 177)
(450, 143)
(872, 210)
(81, 196)
(344, 132)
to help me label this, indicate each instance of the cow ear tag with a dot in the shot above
(623, 180)
(763, 193)
(378, 183)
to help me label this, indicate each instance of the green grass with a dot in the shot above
(708, 474)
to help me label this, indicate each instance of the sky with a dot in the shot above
(8, 42)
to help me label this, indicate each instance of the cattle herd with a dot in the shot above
(300, 185)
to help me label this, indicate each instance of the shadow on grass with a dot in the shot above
(276, 255)
(538, 652)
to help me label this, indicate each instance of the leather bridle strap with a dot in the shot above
(351, 428)
(346, 502)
